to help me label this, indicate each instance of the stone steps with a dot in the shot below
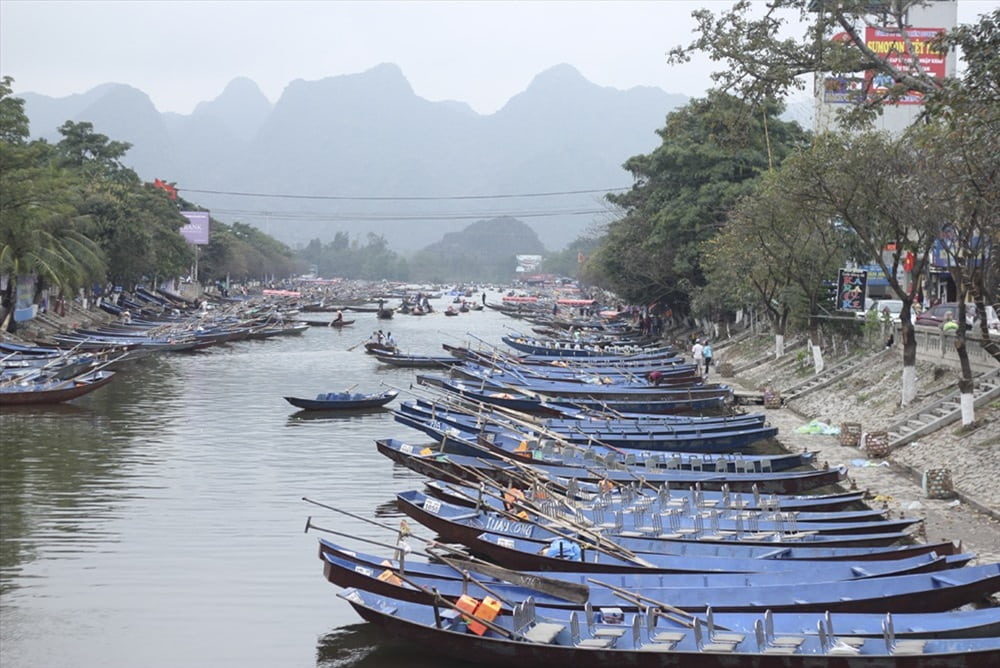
(942, 412)
(824, 378)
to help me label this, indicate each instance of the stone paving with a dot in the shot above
(871, 397)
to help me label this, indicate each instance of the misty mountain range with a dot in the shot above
(363, 153)
(366, 141)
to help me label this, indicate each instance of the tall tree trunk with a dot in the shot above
(909, 380)
(817, 351)
(965, 384)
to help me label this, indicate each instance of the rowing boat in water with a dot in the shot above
(635, 639)
(343, 401)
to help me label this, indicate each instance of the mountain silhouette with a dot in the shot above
(363, 153)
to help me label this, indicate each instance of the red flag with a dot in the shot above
(166, 187)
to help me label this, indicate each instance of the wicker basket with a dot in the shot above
(850, 434)
(937, 484)
(726, 369)
(772, 398)
(876, 443)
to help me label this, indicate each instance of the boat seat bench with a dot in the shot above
(544, 632)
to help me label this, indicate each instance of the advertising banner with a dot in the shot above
(851, 290)
(843, 89)
(196, 231)
(24, 295)
(921, 57)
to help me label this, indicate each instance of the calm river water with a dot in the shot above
(159, 521)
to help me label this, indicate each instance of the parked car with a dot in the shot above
(934, 316)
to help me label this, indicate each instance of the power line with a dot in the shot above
(383, 217)
(394, 198)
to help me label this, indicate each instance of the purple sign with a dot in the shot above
(196, 231)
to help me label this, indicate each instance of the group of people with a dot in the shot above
(701, 353)
(383, 338)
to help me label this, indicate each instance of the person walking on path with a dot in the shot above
(697, 355)
(706, 352)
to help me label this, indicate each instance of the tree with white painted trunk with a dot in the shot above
(791, 245)
(873, 186)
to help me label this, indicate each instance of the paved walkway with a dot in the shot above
(893, 484)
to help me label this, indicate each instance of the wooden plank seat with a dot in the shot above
(589, 643)
(708, 644)
(527, 624)
(898, 647)
(835, 640)
(543, 633)
(779, 641)
(599, 630)
(721, 636)
(762, 644)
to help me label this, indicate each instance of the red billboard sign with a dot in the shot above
(913, 53)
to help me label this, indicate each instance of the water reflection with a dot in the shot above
(160, 518)
(334, 415)
(365, 646)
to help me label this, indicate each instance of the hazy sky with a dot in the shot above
(478, 52)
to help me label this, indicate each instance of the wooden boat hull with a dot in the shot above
(440, 631)
(457, 468)
(372, 401)
(755, 594)
(417, 361)
(65, 390)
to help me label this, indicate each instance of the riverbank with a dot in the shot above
(870, 396)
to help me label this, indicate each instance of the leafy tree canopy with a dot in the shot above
(712, 151)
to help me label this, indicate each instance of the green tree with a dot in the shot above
(41, 231)
(137, 226)
(712, 151)
(759, 62)
(801, 244)
(879, 189)
(94, 153)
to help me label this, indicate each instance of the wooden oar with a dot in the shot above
(576, 532)
(682, 617)
(357, 344)
(569, 591)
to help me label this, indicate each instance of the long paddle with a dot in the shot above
(400, 573)
(357, 344)
(569, 591)
(572, 530)
(683, 616)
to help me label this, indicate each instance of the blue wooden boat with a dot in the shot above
(617, 392)
(526, 638)
(459, 468)
(693, 497)
(652, 425)
(551, 348)
(460, 413)
(664, 499)
(417, 361)
(661, 357)
(723, 592)
(462, 525)
(533, 402)
(348, 568)
(661, 451)
(343, 401)
(674, 375)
